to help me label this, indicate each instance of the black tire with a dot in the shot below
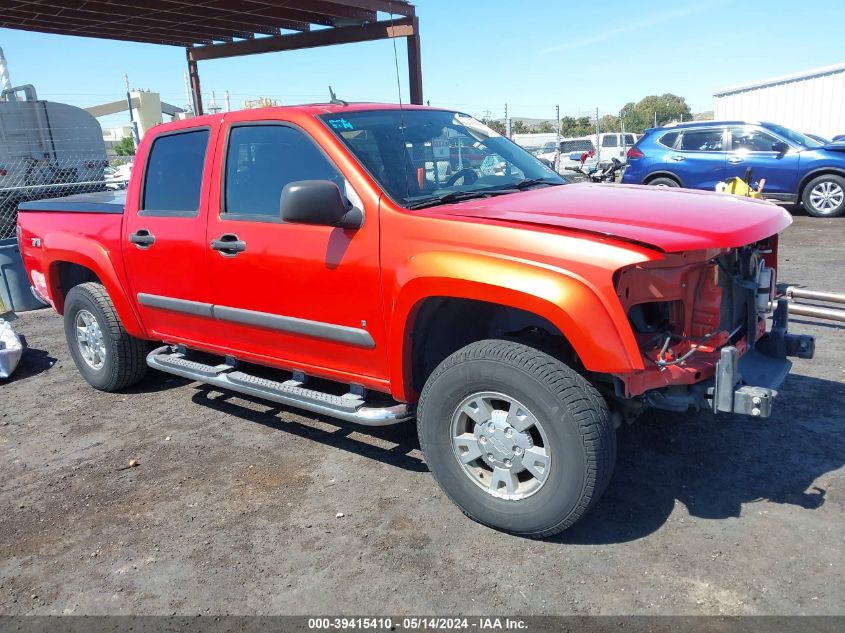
(125, 356)
(580, 435)
(811, 201)
(663, 181)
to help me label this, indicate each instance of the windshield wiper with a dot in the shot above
(530, 182)
(455, 196)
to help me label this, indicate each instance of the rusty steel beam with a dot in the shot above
(139, 38)
(194, 76)
(72, 26)
(394, 7)
(325, 7)
(93, 13)
(170, 11)
(313, 39)
(415, 63)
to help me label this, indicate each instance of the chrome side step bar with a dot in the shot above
(350, 407)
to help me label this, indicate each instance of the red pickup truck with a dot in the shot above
(333, 258)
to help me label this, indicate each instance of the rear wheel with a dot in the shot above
(663, 182)
(106, 355)
(824, 197)
(516, 439)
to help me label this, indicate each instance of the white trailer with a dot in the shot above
(812, 102)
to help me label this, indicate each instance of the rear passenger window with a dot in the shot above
(262, 159)
(669, 139)
(173, 180)
(610, 141)
(629, 139)
(701, 140)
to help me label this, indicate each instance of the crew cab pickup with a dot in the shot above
(328, 257)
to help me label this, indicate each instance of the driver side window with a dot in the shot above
(751, 140)
(262, 159)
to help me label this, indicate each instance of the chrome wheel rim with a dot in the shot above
(827, 196)
(89, 340)
(500, 445)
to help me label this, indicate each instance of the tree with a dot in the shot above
(609, 123)
(125, 147)
(496, 126)
(545, 127)
(661, 109)
(519, 127)
(567, 126)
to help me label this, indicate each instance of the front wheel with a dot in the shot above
(516, 439)
(824, 197)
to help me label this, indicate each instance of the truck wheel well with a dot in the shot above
(815, 174)
(66, 276)
(446, 324)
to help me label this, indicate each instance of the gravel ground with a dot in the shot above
(235, 506)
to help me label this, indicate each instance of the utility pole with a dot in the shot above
(189, 107)
(655, 118)
(557, 144)
(598, 134)
(507, 122)
(136, 138)
(226, 101)
(213, 107)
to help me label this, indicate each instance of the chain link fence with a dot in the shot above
(50, 150)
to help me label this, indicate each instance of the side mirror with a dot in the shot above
(780, 147)
(318, 202)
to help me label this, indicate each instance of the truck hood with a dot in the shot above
(664, 218)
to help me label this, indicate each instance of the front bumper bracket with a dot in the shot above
(745, 384)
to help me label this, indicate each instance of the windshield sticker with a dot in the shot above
(341, 124)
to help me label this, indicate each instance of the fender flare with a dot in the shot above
(588, 320)
(818, 171)
(75, 249)
(662, 173)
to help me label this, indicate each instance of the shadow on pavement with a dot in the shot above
(717, 466)
(33, 362)
(402, 437)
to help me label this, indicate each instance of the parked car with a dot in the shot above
(699, 155)
(615, 145)
(118, 177)
(304, 255)
(571, 151)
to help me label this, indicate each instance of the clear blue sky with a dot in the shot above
(477, 55)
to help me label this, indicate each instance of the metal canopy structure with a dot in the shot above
(214, 29)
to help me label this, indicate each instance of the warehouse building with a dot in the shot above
(811, 102)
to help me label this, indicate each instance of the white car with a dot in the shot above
(118, 177)
(571, 150)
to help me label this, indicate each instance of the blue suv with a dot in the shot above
(698, 155)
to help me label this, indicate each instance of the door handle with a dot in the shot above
(142, 238)
(228, 245)
(677, 159)
(735, 159)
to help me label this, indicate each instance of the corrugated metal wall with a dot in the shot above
(813, 104)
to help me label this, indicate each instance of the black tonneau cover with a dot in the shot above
(98, 202)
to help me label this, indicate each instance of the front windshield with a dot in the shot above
(792, 135)
(422, 155)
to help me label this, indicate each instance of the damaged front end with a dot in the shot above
(700, 323)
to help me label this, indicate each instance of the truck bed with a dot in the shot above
(98, 202)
